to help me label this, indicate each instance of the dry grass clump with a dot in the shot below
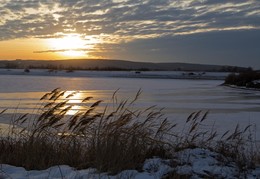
(111, 138)
(195, 133)
(240, 147)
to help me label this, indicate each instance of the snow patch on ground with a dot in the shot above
(197, 163)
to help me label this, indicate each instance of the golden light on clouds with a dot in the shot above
(68, 42)
(71, 45)
(131, 30)
(73, 53)
(24, 49)
(62, 46)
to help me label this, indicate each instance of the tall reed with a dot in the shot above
(113, 137)
(110, 139)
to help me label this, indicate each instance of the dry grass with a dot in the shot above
(109, 140)
(112, 138)
(240, 146)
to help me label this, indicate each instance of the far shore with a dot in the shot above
(119, 74)
(240, 87)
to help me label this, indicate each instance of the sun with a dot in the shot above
(69, 45)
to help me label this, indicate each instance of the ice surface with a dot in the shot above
(227, 106)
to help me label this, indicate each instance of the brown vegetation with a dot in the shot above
(112, 139)
(248, 79)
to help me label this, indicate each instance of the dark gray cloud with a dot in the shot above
(128, 17)
(120, 23)
(227, 47)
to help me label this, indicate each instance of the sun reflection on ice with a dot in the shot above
(74, 99)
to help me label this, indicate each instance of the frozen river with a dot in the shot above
(227, 106)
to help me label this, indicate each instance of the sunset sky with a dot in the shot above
(225, 32)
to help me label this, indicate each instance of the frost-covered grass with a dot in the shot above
(121, 138)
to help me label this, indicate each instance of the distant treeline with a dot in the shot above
(70, 66)
(11, 65)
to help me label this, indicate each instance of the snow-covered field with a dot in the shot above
(227, 106)
(122, 74)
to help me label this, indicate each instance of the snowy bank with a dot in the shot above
(194, 163)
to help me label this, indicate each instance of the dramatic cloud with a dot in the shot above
(126, 22)
(226, 47)
(128, 19)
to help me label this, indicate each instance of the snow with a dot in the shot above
(256, 81)
(197, 163)
(122, 74)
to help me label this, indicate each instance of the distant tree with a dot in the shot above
(27, 70)
(246, 79)
(70, 69)
(249, 69)
(231, 79)
(61, 67)
(143, 69)
(11, 65)
(52, 67)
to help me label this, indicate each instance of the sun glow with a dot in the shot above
(72, 45)
(74, 53)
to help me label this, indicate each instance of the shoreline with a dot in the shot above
(240, 87)
(120, 74)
